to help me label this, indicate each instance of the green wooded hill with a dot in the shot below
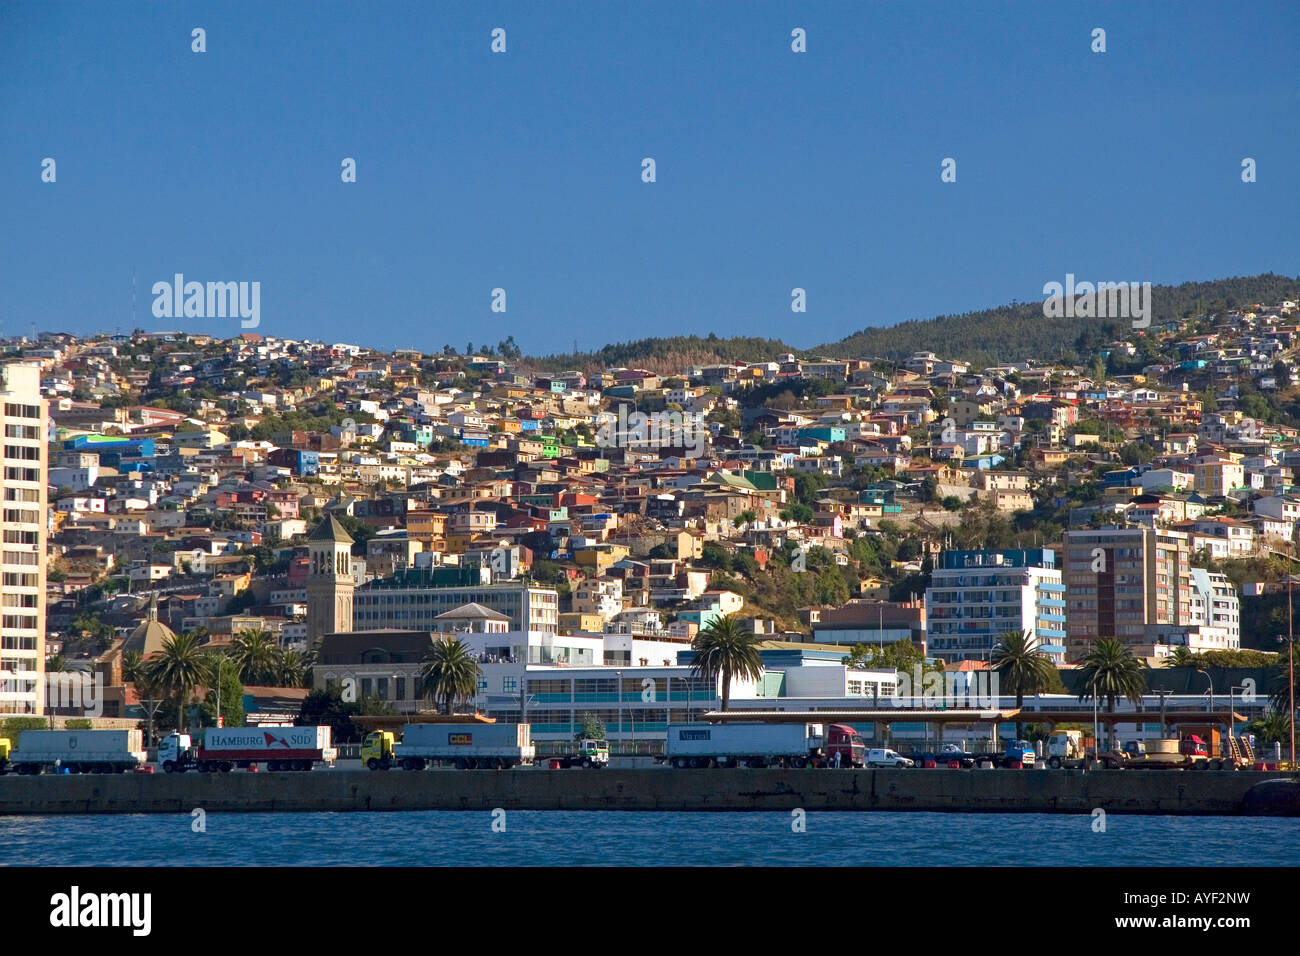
(1020, 331)
(1008, 333)
(669, 354)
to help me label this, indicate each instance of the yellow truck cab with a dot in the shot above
(4, 754)
(377, 750)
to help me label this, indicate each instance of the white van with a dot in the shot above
(887, 758)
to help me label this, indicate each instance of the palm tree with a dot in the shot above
(56, 664)
(255, 652)
(1180, 656)
(725, 648)
(179, 668)
(132, 664)
(1279, 683)
(1023, 666)
(449, 673)
(1272, 727)
(290, 668)
(1111, 671)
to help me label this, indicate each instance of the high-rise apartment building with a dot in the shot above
(976, 596)
(22, 551)
(1125, 583)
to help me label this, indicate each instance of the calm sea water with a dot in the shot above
(534, 838)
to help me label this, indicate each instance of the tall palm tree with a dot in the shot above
(179, 668)
(56, 665)
(725, 648)
(1022, 666)
(1180, 656)
(255, 652)
(449, 673)
(1111, 671)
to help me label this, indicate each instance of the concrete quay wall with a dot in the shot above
(981, 791)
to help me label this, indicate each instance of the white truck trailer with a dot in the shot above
(466, 746)
(79, 751)
(224, 748)
(749, 745)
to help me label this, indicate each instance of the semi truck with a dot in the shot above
(1065, 749)
(78, 751)
(461, 745)
(222, 749)
(762, 745)
(1018, 755)
(592, 754)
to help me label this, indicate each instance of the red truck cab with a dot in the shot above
(844, 740)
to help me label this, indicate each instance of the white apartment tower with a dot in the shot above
(22, 528)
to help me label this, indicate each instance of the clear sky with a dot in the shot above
(522, 170)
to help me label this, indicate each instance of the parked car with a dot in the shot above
(887, 758)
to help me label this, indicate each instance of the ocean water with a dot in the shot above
(574, 838)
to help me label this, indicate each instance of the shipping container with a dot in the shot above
(79, 751)
(217, 740)
(466, 745)
(754, 745)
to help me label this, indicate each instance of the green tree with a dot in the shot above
(1111, 671)
(255, 653)
(290, 668)
(132, 664)
(328, 708)
(449, 673)
(1022, 667)
(178, 669)
(1273, 727)
(593, 728)
(725, 648)
(223, 673)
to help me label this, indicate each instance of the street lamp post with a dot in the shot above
(1096, 732)
(1232, 709)
(1201, 670)
(1290, 655)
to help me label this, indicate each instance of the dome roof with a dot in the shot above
(150, 635)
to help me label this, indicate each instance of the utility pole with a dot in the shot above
(151, 707)
(1164, 725)
(1290, 656)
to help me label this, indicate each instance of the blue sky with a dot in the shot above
(522, 170)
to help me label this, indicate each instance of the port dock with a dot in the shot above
(973, 791)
